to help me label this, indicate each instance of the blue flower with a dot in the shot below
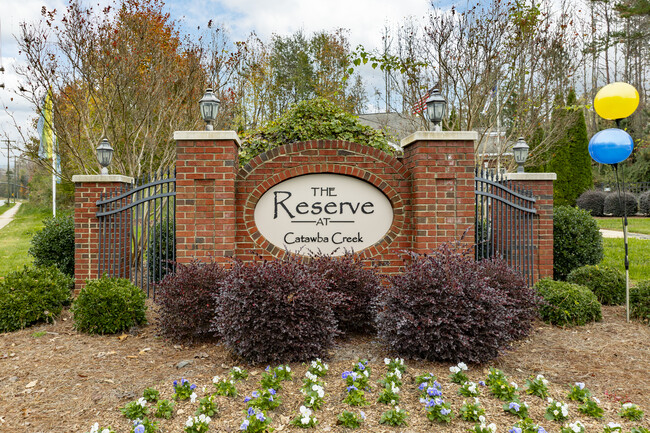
(352, 388)
(183, 381)
(480, 382)
(244, 425)
(361, 366)
(540, 429)
(345, 374)
(139, 429)
(175, 383)
(192, 386)
(515, 430)
(271, 391)
(430, 403)
(436, 384)
(422, 386)
(270, 398)
(514, 406)
(434, 392)
(444, 411)
(251, 411)
(260, 416)
(268, 367)
(255, 394)
(247, 399)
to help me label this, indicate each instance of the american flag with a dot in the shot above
(421, 103)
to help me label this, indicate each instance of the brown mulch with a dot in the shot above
(53, 379)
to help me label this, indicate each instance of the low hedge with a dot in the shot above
(593, 201)
(567, 304)
(109, 305)
(608, 284)
(32, 295)
(613, 204)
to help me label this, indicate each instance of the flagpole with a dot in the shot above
(53, 184)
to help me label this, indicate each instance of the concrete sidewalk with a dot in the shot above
(619, 234)
(6, 217)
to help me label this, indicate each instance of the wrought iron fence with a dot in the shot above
(137, 230)
(633, 187)
(504, 222)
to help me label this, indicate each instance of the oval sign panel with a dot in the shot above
(330, 213)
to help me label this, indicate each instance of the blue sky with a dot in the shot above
(364, 19)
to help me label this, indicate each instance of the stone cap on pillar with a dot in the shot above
(531, 176)
(101, 178)
(439, 136)
(207, 136)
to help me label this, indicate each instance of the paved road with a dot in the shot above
(619, 234)
(6, 217)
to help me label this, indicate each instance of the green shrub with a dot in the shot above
(567, 303)
(109, 305)
(608, 284)
(54, 244)
(576, 240)
(592, 201)
(644, 203)
(640, 301)
(613, 205)
(32, 295)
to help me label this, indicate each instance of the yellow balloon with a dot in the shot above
(616, 101)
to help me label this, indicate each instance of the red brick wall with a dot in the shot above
(543, 225)
(443, 191)
(205, 199)
(87, 228)
(374, 166)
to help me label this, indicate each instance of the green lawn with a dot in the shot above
(15, 237)
(5, 207)
(638, 253)
(634, 225)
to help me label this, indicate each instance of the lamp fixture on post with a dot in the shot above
(104, 155)
(209, 105)
(520, 151)
(436, 108)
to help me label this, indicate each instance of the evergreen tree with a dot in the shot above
(570, 159)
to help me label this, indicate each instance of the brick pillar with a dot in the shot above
(86, 227)
(442, 187)
(206, 167)
(541, 184)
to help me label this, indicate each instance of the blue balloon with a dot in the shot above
(611, 146)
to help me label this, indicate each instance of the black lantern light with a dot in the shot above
(436, 108)
(520, 152)
(209, 106)
(104, 154)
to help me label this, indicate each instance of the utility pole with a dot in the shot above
(8, 166)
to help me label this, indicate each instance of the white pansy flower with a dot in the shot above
(193, 397)
(597, 400)
(311, 376)
(288, 369)
(628, 405)
(462, 366)
(580, 385)
(386, 361)
(216, 379)
(492, 427)
(142, 402)
(94, 428)
(454, 369)
(514, 385)
(189, 422)
(481, 419)
(613, 425)
(365, 373)
(106, 431)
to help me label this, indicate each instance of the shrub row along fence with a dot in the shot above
(137, 230)
(504, 222)
(601, 203)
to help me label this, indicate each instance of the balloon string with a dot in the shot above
(624, 207)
